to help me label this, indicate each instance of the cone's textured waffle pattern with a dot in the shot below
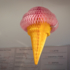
(38, 22)
(38, 33)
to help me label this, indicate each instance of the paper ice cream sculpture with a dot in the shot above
(38, 22)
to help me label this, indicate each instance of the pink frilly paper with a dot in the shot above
(39, 14)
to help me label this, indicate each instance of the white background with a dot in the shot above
(12, 11)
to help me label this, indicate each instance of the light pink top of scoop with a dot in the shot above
(39, 14)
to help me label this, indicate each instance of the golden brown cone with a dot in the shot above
(38, 34)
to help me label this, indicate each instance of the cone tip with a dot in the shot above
(36, 63)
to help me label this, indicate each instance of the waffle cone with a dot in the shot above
(38, 34)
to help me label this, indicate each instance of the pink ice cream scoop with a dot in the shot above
(36, 13)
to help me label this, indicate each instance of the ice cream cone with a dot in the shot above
(38, 33)
(39, 22)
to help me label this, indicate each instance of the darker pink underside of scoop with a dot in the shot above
(39, 14)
